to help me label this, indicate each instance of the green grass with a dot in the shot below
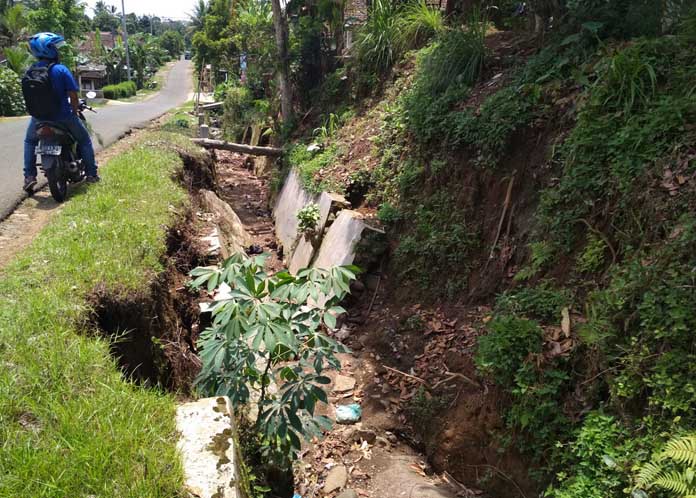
(70, 425)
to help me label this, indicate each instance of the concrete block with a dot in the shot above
(339, 243)
(329, 202)
(291, 199)
(207, 448)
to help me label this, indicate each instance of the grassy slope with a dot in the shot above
(70, 426)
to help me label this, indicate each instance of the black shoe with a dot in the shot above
(29, 184)
(93, 179)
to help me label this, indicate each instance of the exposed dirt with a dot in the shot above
(248, 195)
(434, 421)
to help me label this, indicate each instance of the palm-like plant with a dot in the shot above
(674, 469)
(419, 23)
(198, 15)
(377, 39)
(14, 23)
(18, 59)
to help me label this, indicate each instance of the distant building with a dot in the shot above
(91, 77)
(87, 46)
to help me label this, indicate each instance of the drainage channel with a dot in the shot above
(157, 333)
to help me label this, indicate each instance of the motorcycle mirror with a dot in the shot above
(91, 95)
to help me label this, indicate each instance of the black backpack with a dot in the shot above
(39, 97)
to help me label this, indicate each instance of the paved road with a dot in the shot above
(111, 122)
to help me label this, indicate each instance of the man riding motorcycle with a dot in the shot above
(54, 98)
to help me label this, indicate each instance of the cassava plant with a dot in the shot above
(268, 346)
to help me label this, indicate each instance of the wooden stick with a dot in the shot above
(241, 148)
(506, 205)
(413, 377)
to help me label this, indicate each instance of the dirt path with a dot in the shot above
(248, 196)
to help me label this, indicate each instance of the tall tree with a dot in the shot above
(280, 24)
(60, 16)
(105, 18)
(198, 15)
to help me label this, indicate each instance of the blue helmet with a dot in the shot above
(46, 45)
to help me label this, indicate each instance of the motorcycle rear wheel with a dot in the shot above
(57, 183)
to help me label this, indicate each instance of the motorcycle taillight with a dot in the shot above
(45, 131)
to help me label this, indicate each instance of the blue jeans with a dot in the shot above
(78, 130)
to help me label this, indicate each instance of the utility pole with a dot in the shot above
(125, 38)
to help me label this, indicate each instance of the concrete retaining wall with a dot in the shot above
(339, 229)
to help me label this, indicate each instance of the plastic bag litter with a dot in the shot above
(348, 414)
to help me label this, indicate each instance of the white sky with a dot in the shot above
(175, 9)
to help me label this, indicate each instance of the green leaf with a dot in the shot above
(330, 320)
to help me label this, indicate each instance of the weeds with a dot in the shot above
(418, 24)
(376, 43)
(308, 219)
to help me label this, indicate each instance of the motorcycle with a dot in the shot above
(59, 155)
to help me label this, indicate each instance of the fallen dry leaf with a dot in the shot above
(565, 321)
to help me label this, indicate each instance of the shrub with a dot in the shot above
(241, 110)
(11, 99)
(542, 302)
(445, 71)
(438, 228)
(633, 116)
(595, 461)
(120, 91)
(504, 349)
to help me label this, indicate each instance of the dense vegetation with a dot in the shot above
(606, 100)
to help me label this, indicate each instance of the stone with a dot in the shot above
(343, 384)
(364, 435)
(336, 480)
(348, 493)
(231, 229)
(207, 448)
(382, 442)
(343, 333)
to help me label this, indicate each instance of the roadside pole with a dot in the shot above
(125, 37)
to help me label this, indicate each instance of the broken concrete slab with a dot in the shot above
(329, 202)
(343, 383)
(339, 243)
(207, 448)
(232, 233)
(291, 199)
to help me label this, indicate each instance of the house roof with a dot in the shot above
(87, 45)
(92, 71)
